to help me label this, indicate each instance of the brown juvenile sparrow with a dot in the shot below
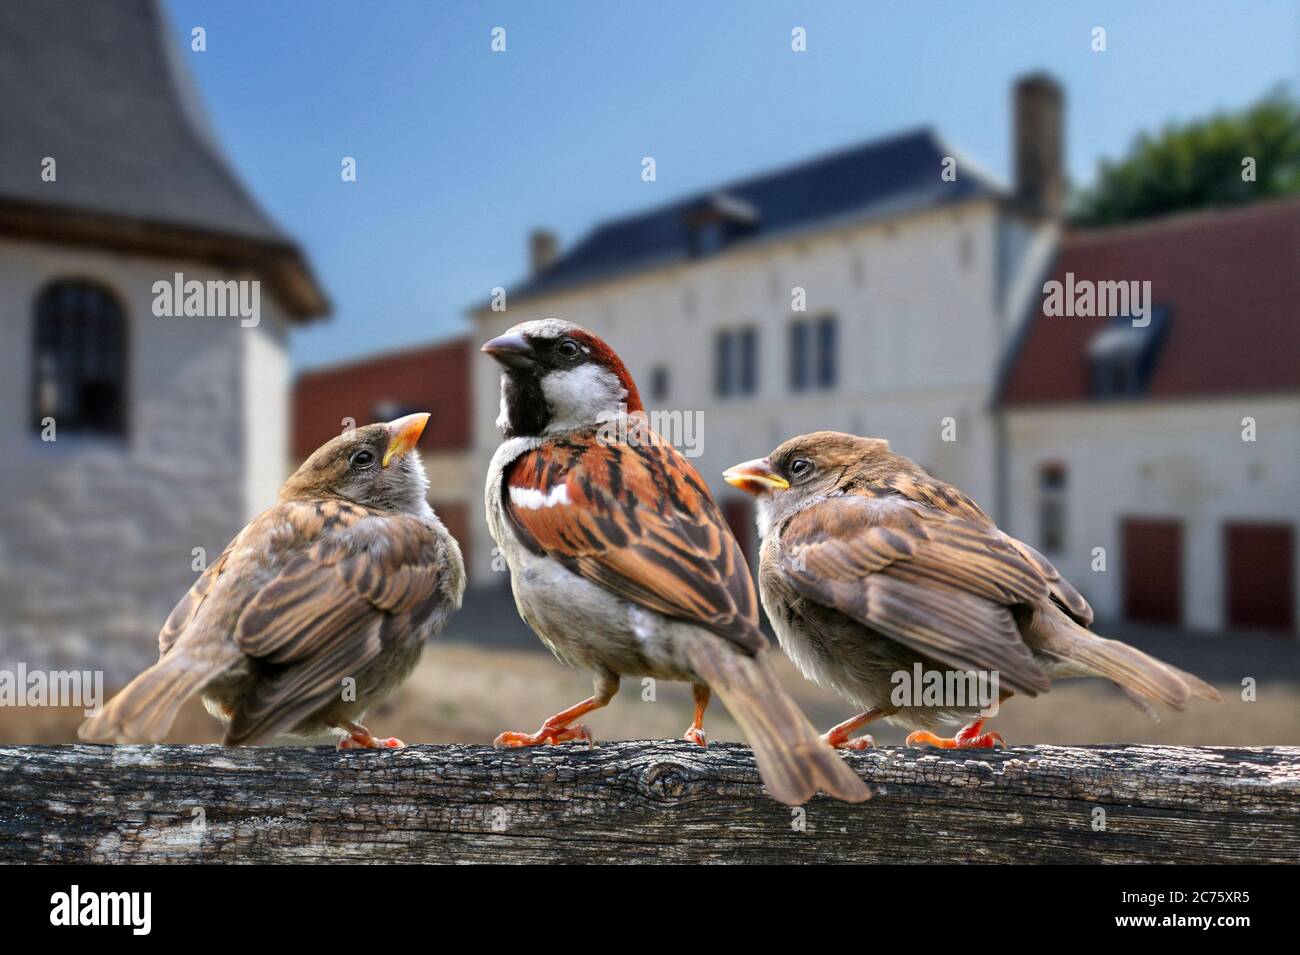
(621, 562)
(315, 611)
(869, 567)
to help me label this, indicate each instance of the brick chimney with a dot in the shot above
(1039, 106)
(543, 249)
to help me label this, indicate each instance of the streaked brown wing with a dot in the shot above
(952, 501)
(942, 585)
(183, 613)
(330, 611)
(636, 519)
(1063, 592)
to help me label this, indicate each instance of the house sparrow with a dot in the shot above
(869, 566)
(315, 611)
(622, 563)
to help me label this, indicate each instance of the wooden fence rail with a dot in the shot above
(642, 802)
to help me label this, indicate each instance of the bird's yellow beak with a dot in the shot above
(405, 433)
(755, 477)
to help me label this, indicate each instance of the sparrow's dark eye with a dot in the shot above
(567, 348)
(800, 467)
(362, 459)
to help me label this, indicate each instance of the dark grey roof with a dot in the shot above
(100, 88)
(880, 178)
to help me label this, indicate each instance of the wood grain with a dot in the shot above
(641, 802)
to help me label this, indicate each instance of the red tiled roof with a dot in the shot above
(1231, 280)
(435, 378)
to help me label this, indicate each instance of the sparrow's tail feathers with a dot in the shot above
(793, 759)
(145, 710)
(1195, 685)
(1136, 672)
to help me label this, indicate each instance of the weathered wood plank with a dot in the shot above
(641, 802)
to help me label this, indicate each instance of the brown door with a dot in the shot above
(1153, 570)
(1259, 573)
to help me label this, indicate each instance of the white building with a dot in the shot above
(168, 433)
(912, 282)
(1159, 467)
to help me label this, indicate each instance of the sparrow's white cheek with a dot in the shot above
(580, 396)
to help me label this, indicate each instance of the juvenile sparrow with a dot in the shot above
(869, 566)
(315, 611)
(621, 562)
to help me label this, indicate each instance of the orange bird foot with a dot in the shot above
(695, 734)
(359, 738)
(840, 736)
(549, 734)
(968, 737)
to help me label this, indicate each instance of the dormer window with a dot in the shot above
(710, 236)
(1122, 358)
(717, 220)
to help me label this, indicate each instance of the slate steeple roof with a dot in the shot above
(102, 89)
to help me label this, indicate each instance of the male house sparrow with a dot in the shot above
(870, 566)
(621, 562)
(342, 580)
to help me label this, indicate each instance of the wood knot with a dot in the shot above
(665, 780)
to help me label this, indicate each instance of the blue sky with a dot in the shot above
(460, 151)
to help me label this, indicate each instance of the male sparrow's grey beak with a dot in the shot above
(513, 351)
(403, 433)
(755, 477)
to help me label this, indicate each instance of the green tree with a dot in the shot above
(1200, 164)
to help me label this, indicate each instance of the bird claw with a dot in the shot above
(968, 737)
(840, 735)
(695, 734)
(548, 734)
(370, 742)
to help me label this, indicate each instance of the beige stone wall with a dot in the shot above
(96, 535)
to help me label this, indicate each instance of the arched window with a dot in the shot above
(79, 359)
